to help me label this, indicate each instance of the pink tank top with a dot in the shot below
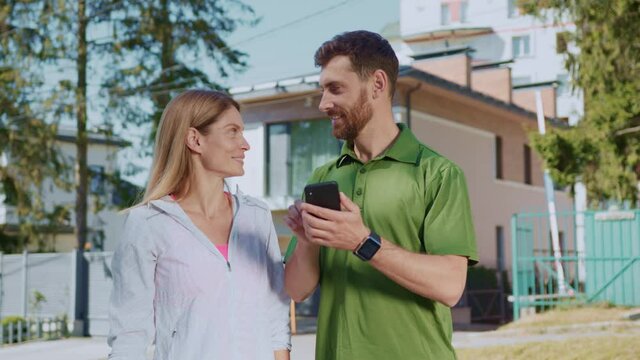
(224, 248)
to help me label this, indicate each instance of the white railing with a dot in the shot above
(18, 330)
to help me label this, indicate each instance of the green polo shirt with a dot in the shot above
(417, 199)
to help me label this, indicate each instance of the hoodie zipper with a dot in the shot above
(189, 224)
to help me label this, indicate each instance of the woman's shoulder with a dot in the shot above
(140, 213)
(248, 200)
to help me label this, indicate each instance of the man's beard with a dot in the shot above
(353, 120)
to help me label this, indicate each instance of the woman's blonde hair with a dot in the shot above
(172, 165)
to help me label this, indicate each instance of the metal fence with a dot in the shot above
(25, 278)
(599, 260)
(32, 329)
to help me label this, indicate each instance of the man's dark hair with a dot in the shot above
(367, 51)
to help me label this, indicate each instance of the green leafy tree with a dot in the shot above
(148, 55)
(28, 123)
(163, 47)
(603, 150)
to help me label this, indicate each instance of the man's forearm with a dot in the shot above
(438, 277)
(302, 271)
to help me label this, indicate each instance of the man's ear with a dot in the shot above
(193, 140)
(380, 83)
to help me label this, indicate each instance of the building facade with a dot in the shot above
(103, 200)
(496, 31)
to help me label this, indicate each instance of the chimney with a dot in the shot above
(451, 64)
(493, 79)
(525, 96)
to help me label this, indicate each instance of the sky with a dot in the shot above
(282, 44)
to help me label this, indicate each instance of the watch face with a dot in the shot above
(368, 249)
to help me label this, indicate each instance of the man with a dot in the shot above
(394, 260)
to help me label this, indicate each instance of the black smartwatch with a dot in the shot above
(368, 247)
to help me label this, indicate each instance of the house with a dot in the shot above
(471, 120)
(103, 224)
(497, 32)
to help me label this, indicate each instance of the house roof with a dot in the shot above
(553, 83)
(491, 65)
(443, 52)
(309, 84)
(408, 71)
(454, 31)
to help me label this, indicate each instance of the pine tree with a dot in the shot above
(165, 47)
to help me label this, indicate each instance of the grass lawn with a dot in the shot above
(571, 316)
(620, 340)
(606, 347)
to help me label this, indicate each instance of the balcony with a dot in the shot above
(453, 31)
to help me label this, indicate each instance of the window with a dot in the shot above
(453, 11)
(498, 157)
(294, 150)
(278, 159)
(514, 10)
(445, 14)
(464, 9)
(521, 46)
(96, 180)
(527, 164)
(499, 248)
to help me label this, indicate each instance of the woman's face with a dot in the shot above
(224, 145)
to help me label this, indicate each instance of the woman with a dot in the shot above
(198, 269)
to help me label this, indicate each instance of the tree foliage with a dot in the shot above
(603, 150)
(135, 54)
(28, 123)
(163, 47)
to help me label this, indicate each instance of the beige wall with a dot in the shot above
(493, 201)
(511, 127)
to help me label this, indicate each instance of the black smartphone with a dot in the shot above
(323, 194)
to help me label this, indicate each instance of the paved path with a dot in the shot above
(304, 345)
(97, 349)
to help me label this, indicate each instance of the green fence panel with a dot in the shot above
(613, 250)
(611, 260)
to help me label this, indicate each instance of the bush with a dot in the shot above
(15, 321)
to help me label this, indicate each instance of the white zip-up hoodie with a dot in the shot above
(171, 284)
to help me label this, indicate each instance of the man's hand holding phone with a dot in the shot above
(324, 194)
(326, 226)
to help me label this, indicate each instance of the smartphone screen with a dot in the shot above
(323, 194)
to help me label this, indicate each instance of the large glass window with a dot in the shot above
(295, 149)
